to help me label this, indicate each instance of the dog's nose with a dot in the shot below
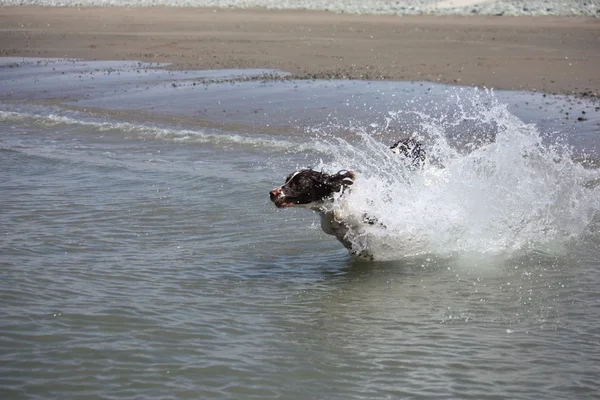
(273, 194)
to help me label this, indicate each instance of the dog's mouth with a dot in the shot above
(285, 202)
(281, 203)
(279, 199)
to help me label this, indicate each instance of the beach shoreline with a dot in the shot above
(545, 54)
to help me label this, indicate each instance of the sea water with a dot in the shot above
(142, 258)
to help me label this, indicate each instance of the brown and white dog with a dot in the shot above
(317, 191)
(327, 194)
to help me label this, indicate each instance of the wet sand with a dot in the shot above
(549, 54)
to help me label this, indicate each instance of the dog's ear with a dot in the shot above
(347, 177)
(341, 180)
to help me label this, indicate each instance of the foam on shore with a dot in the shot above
(414, 7)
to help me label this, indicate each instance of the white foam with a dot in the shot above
(517, 193)
(404, 7)
(456, 3)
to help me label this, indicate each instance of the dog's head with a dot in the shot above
(411, 149)
(310, 189)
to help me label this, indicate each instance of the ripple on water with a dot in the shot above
(135, 265)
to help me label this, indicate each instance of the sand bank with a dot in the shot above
(550, 54)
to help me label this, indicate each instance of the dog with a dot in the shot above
(327, 194)
(318, 191)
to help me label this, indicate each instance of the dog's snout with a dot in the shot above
(273, 194)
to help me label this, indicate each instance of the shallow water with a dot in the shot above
(142, 258)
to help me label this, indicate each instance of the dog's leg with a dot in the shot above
(333, 226)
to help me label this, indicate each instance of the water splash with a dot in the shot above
(492, 184)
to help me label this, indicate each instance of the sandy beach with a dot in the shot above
(549, 54)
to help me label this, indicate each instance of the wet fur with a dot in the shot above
(318, 191)
(315, 190)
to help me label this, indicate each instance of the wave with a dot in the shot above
(55, 118)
